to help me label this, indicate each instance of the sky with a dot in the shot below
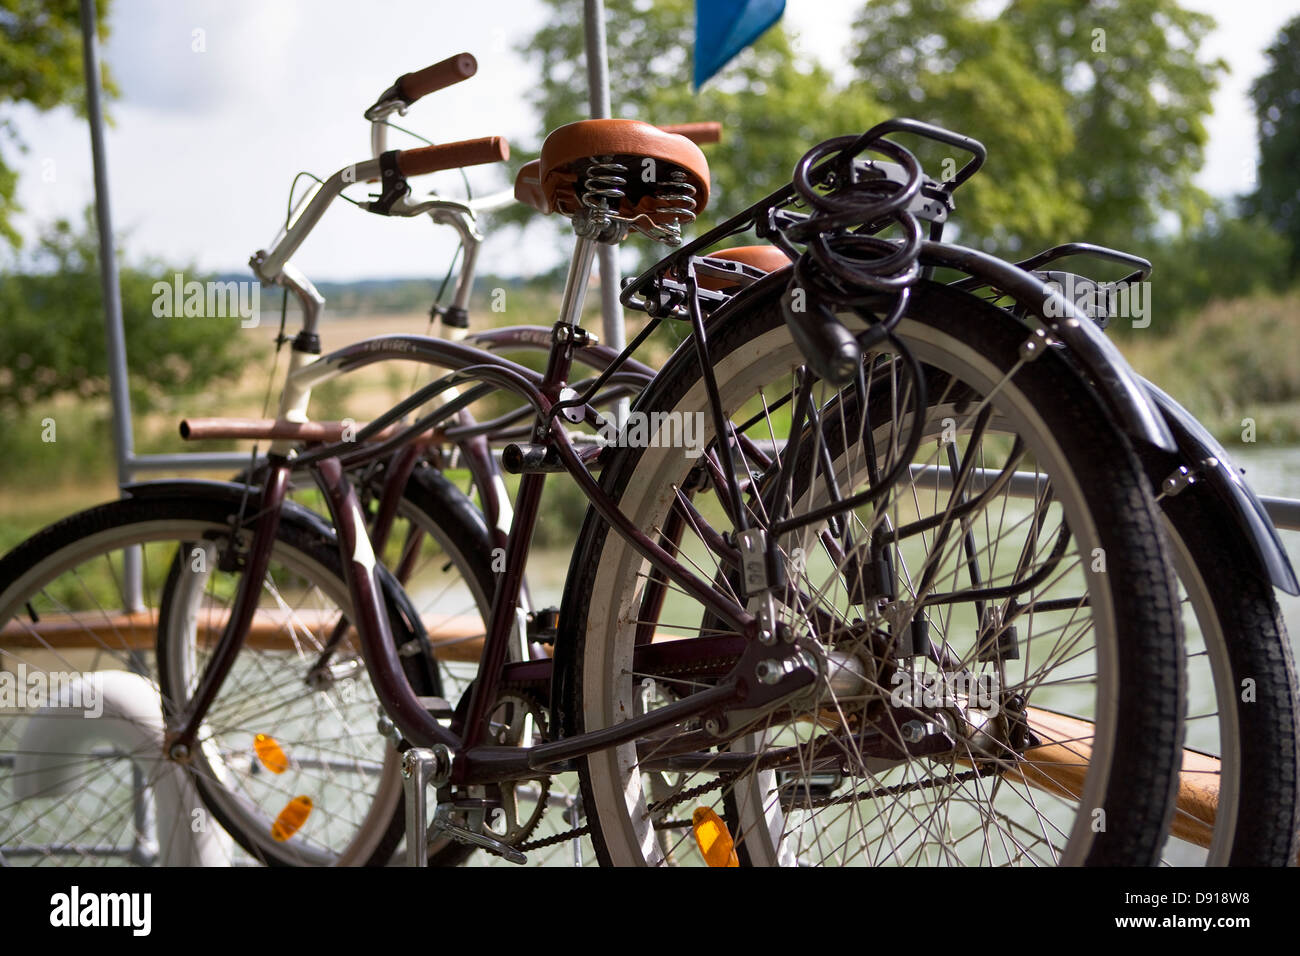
(224, 101)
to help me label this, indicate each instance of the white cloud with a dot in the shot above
(199, 57)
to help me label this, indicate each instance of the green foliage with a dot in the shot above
(1226, 257)
(40, 64)
(1138, 92)
(941, 62)
(773, 103)
(1276, 95)
(81, 453)
(53, 321)
(1231, 360)
(1092, 135)
(1092, 111)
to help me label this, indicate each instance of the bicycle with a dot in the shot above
(715, 266)
(115, 784)
(777, 663)
(1241, 644)
(457, 537)
(1208, 511)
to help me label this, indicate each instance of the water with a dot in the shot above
(1275, 471)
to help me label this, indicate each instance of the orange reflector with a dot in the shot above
(291, 818)
(713, 838)
(271, 754)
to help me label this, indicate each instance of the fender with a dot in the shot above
(1204, 456)
(1134, 400)
(231, 491)
(405, 622)
(1118, 385)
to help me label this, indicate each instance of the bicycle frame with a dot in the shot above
(545, 393)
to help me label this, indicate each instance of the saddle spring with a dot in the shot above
(604, 186)
(672, 202)
(675, 200)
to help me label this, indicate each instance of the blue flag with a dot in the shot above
(725, 27)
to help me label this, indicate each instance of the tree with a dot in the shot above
(40, 64)
(1138, 93)
(773, 102)
(53, 321)
(1226, 257)
(1091, 135)
(1276, 95)
(1092, 109)
(938, 61)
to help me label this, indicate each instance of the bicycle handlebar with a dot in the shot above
(470, 152)
(410, 162)
(698, 133)
(439, 76)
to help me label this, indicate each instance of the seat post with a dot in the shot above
(560, 360)
(575, 283)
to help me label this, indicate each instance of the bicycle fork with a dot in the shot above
(179, 740)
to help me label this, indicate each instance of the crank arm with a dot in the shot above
(442, 823)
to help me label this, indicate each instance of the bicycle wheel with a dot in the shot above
(1237, 800)
(100, 790)
(1024, 635)
(1241, 695)
(436, 529)
(440, 548)
(449, 575)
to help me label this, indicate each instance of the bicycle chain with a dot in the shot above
(897, 790)
(585, 829)
(544, 842)
(667, 803)
(892, 791)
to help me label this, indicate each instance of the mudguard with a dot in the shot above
(294, 513)
(1202, 455)
(1144, 411)
(231, 491)
(1118, 385)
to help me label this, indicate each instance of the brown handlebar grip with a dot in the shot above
(698, 133)
(470, 152)
(439, 76)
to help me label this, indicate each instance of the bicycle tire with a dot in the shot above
(461, 539)
(31, 574)
(1250, 657)
(1236, 639)
(1138, 789)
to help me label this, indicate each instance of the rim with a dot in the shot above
(266, 695)
(154, 777)
(631, 841)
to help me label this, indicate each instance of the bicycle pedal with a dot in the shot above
(481, 840)
(436, 706)
(544, 625)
